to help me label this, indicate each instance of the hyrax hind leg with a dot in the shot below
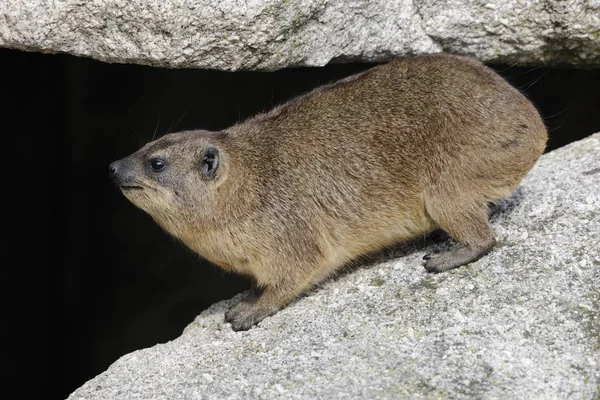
(466, 220)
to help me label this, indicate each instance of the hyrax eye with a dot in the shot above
(157, 165)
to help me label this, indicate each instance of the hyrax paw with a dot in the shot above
(235, 311)
(249, 317)
(455, 258)
(443, 262)
(242, 324)
(437, 264)
(431, 266)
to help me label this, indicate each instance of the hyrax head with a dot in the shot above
(174, 178)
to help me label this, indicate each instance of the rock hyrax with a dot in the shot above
(289, 196)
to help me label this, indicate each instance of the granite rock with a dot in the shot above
(521, 323)
(274, 34)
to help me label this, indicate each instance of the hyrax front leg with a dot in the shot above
(465, 220)
(272, 299)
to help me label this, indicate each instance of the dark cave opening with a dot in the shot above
(88, 277)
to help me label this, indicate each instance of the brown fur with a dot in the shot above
(381, 157)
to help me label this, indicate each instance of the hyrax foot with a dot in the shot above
(251, 316)
(467, 222)
(271, 300)
(235, 310)
(455, 258)
(242, 305)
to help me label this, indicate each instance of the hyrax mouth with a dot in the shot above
(130, 187)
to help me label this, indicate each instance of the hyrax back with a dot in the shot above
(289, 196)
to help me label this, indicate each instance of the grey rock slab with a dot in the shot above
(521, 323)
(273, 34)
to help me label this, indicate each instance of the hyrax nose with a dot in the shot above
(113, 168)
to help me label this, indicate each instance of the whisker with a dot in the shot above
(509, 67)
(534, 82)
(133, 127)
(560, 112)
(179, 120)
(526, 72)
(156, 128)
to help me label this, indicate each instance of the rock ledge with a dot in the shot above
(523, 322)
(274, 34)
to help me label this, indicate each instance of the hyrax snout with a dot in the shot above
(289, 196)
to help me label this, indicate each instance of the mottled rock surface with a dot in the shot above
(273, 34)
(521, 323)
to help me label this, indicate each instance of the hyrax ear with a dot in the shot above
(210, 161)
